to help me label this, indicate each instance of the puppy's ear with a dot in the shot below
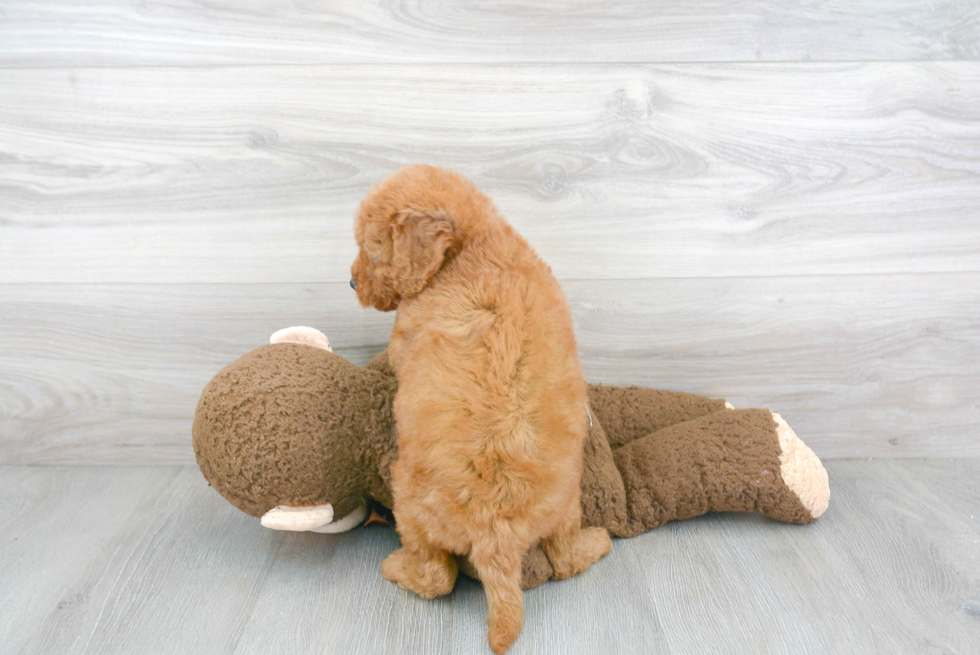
(419, 242)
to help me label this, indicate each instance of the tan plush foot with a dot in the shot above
(301, 334)
(428, 577)
(802, 470)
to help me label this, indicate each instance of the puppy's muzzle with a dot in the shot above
(353, 284)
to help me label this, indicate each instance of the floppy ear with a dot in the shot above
(420, 241)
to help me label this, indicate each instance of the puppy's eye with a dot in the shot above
(373, 258)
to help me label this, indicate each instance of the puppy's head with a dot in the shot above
(403, 233)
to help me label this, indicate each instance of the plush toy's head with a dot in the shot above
(291, 424)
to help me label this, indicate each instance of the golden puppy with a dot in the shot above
(491, 403)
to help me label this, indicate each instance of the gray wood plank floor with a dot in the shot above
(122, 559)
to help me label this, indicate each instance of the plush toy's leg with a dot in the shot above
(733, 460)
(629, 413)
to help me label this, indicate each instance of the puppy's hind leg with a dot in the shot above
(498, 561)
(418, 566)
(571, 549)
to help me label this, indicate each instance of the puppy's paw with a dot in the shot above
(592, 545)
(596, 544)
(427, 577)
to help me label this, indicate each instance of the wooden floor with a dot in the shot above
(150, 559)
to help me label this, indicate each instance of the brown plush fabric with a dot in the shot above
(297, 424)
(290, 424)
(726, 461)
(629, 413)
(603, 494)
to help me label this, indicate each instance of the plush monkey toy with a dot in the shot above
(304, 439)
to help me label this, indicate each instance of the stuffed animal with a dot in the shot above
(304, 439)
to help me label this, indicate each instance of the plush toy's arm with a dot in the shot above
(729, 461)
(629, 413)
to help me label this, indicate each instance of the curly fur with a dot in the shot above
(491, 403)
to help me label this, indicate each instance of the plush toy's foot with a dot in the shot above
(735, 460)
(428, 575)
(801, 469)
(301, 334)
(318, 518)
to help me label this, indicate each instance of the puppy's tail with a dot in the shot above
(499, 566)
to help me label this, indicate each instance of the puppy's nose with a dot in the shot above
(353, 284)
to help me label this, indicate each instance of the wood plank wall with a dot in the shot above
(775, 203)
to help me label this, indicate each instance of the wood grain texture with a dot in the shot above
(53, 522)
(182, 32)
(357, 611)
(252, 174)
(859, 365)
(770, 203)
(891, 567)
(908, 536)
(955, 481)
(112, 373)
(179, 545)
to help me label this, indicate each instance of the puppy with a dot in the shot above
(491, 403)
